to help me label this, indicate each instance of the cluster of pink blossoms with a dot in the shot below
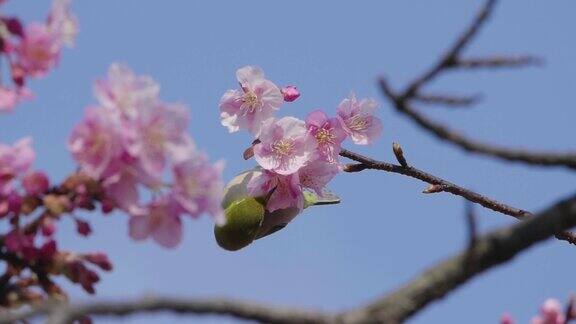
(33, 50)
(296, 155)
(551, 312)
(23, 191)
(128, 142)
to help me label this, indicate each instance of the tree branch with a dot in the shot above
(60, 313)
(445, 133)
(490, 250)
(450, 60)
(447, 100)
(443, 185)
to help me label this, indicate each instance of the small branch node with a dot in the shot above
(434, 188)
(397, 149)
(354, 167)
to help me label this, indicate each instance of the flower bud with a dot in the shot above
(35, 183)
(290, 93)
(83, 228)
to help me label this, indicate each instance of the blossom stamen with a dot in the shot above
(357, 123)
(325, 136)
(283, 147)
(251, 102)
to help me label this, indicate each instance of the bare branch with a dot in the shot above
(490, 250)
(447, 100)
(61, 313)
(445, 133)
(449, 58)
(439, 185)
(471, 225)
(499, 62)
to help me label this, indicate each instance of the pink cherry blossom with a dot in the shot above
(285, 145)
(551, 312)
(9, 98)
(358, 120)
(254, 103)
(328, 134)
(39, 50)
(159, 130)
(290, 93)
(96, 142)
(198, 186)
(62, 23)
(160, 221)
(125, 91)
(18, 158)
(316, 175)
(284, 191)
(15, 160)
(122, 189)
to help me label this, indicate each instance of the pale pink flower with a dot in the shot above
(282, 191)
(38, 51)
(96, 142)
(290, 93)
(316, 175)
(161, 221)
(551, 312)
(250, 106)
(198, 186)
(125, 91)
(358, 120)
(122, 189)
(15, 160)
(285, 145)
(158, 130)
(62, 23)
(328, 134)
(9, 98)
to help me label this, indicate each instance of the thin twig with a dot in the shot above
(471, 224)
(443, 132)
(447, 100)
(442, 186)
(451, 59)
(499, 62)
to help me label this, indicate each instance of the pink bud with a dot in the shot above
(14, 26)
(290, 93)
(87, 279)
(48, 228)
(83, 228)
(506, 319)
(35, 183)
(14, 203)
(107, 206)
(99, 259)
(4, 208)
(48, 250)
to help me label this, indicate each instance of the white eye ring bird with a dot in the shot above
(247, 218)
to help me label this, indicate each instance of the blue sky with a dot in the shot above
(384, 232)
